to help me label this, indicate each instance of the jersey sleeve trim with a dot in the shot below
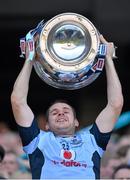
(27, 134)
(101, 138)
(31, 147)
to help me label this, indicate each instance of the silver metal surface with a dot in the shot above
(66, 51)
(68, 42)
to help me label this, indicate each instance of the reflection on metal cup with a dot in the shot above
(69, 54)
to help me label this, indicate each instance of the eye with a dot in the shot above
(66, 112)
(54, 113)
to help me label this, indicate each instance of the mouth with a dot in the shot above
(61, 120)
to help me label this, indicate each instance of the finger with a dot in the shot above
(26, 46)
(103, 40)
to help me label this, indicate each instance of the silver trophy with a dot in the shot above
(69, 54)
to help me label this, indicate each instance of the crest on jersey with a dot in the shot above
(67, 154)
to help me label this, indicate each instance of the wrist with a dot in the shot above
(108, 57)
(29, 62)
(108, 61)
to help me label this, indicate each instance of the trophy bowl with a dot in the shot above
(69, 54)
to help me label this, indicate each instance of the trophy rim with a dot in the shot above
(70, 66)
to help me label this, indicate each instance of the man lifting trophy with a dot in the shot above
(68, 50)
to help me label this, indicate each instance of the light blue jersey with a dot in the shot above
(54, 157)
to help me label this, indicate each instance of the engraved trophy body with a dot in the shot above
(69, 54)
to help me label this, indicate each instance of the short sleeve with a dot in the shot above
(101, 138)
(27, 134)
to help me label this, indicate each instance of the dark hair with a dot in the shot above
(2, 153)
(122, 166)
(60, 101)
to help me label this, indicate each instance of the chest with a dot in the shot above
(74, 148)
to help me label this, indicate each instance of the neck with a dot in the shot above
(64, 135)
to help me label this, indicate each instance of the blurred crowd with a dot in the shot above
(117, 155)
(14, 162)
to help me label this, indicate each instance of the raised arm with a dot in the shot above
(22, 112)
(108, 117)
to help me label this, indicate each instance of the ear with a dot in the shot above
(76, 123)
(47, 126)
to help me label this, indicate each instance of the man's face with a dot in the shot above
(10, 163)
(61, 119)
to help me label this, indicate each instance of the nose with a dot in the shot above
(60, 113)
